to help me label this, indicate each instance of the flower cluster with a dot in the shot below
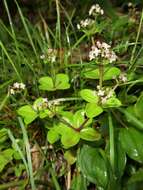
(41, 105)
(104, 93)
(50, 55)
(16, 87)
(95, 10)
(103, 50)
(85, 23)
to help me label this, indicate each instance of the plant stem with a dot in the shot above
(112, 145)
(69, 178)
(55, 181)
(101, 71)
(4, 101)
(132, 62)
(12, 184)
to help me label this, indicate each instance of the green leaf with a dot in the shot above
(5, 157)
(3, 135)
(89, 95)
(44, 113)
(62, 81)
(27, 113)
(79, 118)
(109, 73)
(90, 134)
(70, 157)
(76, 119)
(112, 102)
(92, 74)
(138, 107)
(70, 138)
(67, 116)
(131, 118)
(120, 159)
(93, 166)
(52, 135)
(132, 142)
(46, 83)
(93, 110)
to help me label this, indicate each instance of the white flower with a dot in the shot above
(94, 52)
(42, 56)
(78, 26)
(91, 10)
(105, 46)
(101, 93)
(103, 50)
(16, 85)
(98, 87)
(96, 9)
(12, 91)
(85, 23)
(53, 59)
(130, 4)
(99, 44)
(16, 88)
(21, 86)
(101, 11)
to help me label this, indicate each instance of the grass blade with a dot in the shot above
(112, 145)
(27, 146)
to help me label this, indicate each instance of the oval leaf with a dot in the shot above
(138, 107)
(112, 102)
(62, 81)
(46, 83)
(70, 157)
(93, 110)
(27, 113)
(132, 142)
(70, 138)
(93, 166)
(52, 136)
(89, 95)
(109, 73)
(90, 134)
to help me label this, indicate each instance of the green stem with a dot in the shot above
(55, 181)
(12, 184)
(132, 62)
(112, 145)
(101, 71)
(4, 101)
